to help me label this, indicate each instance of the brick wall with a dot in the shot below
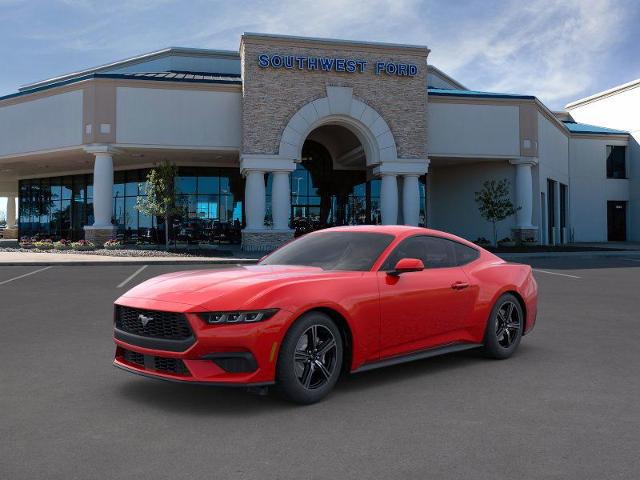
(271, 96)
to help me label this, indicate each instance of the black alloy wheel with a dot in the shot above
(508, 324)
(315, 357)
(310, 359)
(504, 328)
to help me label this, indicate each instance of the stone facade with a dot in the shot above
(271, 96)
(525, 234)
(9, 233)
(99, 236)
(264, 240)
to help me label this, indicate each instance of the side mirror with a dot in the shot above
(405, 265)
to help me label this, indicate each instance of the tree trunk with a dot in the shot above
(166, 232)
(495, 235)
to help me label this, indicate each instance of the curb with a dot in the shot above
(592, 254)
(89, 263)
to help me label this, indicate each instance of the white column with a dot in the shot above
(255, 199)
(389, 199)
(524, 194)
(103, 190)
(411, 200)
(11, 212)
(280, 200)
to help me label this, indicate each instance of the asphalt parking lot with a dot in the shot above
(565, 406)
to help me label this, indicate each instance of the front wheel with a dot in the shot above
(310, 359)
(504, 328)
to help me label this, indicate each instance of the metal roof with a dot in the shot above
(444, 92)
(135, 60)
(585, 128)
(187, 77)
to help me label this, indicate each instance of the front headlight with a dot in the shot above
(240, 316)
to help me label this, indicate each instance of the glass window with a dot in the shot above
(355, 251)
(616, 165)
(118, 184)
(55, 185)
(208, 185)
(67, 189)
(435, 252)
(79, 188)
(186, 184)
(464, 254)
(131, 214)
(119, 213)
(131, 185)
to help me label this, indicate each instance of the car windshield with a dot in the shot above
(356, 251)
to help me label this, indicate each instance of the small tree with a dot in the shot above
(161, 195)
(494, 203)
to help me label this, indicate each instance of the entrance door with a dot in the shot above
(617, 221)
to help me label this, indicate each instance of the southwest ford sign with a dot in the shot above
(334, 64)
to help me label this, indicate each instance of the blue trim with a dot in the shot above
(585, 128)
(121, 76)
(444, 92)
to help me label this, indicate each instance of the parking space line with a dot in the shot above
(632, 259)
(132, 276)
(556, 273)
(25, 275)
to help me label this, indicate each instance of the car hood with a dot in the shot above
(239, 285)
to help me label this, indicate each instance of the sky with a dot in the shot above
(557, 50)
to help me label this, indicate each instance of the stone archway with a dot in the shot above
(339, 107)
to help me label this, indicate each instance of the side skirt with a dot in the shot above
(431, 352)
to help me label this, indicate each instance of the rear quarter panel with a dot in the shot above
(494, 277)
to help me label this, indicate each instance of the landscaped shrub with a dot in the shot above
(506, 242)
(62, 245)
(83, 245)
(26, 242)
(482, 241)
(112, 244)
(43, 244)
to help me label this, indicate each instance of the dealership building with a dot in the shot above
(291, 134)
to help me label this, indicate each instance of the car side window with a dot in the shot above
(465, 254)
(435, 252)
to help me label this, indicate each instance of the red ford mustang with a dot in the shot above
(342, 299)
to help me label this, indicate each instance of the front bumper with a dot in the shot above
(233, 355)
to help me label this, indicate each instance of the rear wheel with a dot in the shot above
(504, 328)
(310, 359)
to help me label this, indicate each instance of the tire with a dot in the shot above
(504, 328)
(307, 372)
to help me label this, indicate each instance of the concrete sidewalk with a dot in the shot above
(43, 259)
(38, 259)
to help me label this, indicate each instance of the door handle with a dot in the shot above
(459, 285)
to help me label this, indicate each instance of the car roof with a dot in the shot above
(396, 230)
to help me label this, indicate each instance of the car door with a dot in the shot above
(426, 308)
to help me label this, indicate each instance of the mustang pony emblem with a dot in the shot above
(144, 320)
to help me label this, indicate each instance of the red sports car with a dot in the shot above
(344, 299)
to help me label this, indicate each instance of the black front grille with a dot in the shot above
(133, 357)
(153, 323)
(171, 365)
(159, 364)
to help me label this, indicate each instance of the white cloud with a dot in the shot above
(549, 48)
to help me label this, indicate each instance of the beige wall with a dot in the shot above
(173, 117)
(452, 198)
(272, 96)
(473, 129)
(45, 123)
